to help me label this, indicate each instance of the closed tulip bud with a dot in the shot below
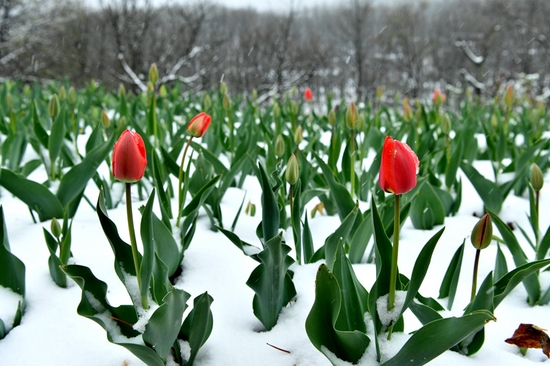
(226, 103)
(294, 107)
(122, 122)
(536, 178)
(509, 96)
(446, 124)
(9, 100)
(223, 87)
(294, 91)
(153, 74)
(55, 228)
(351, 116)
(292, 170)
(494, 120)
(308, 95)
(53, 106)
(279, 146)
(379, 93)
(250, 209)
(398, 167)
(129, 157)
(298, 135)
(407, 111)
(162, 91)
(438, 98)
(62, 93)
(121, 90)
(105, 120)
(206, 102)
(276, 109)
(72, 95)
(27, 90)
(199, 124)
(482, 234)
(254, 94)
(360, 122)
(150, 87)
(332, 118)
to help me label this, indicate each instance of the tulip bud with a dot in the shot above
(308, 95)
(150, 87)
(223, 87)
(494, 121)
(279, 146)
(379, 93)
(9, 100)
(292, 170)
(105, 120)
(226, 102)
(438, 98)
(536, 178)
(199, 124)
(53, 106)
(446, 124)
(276, 109)
(162, 91)
(482, 234)
(121, 90)
(254, 94)
(407, 111)
(72, 95)
(62, 93)
(27, 90)
(153, 74)
(293, 91)
(351, 116)
(206, 102)
(298, 135)
(398, 167)
(129, 157)
(509, 96)
(55, 228)
(294, 107)
(250, 209)
(122, 122)
(332, 118)
(360, 122)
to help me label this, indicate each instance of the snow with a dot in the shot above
(51, 332)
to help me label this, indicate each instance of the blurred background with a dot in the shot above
(348, 47)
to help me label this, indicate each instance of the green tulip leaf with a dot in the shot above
(449, 284)
(35, 195)
(427, 209)
(489, 192)
(437, 337)
(321, 322)
(341, 233)
(197, 327)
(164, 325)
(271, 282)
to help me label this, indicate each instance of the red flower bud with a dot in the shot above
(129, 159)
(438, 97)
(482, 233)
(198, 125)
(398, 167)
(308, 95)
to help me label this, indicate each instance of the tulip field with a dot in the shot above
(179, 228)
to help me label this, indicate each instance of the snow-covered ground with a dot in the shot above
(51, 332)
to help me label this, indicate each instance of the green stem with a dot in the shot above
(474, 279)
(180, 181)
(135, 253)
(352, 167)
(395, 253)
(291, 201)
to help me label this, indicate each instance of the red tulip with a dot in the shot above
(129, 160)
(198, 125)
(308, 95)
(398, 167)
(438, 97)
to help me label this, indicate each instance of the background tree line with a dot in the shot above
(348, 50)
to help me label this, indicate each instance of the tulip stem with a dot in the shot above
(135, 253)
(474, 279)
(352, 165)
(180, 181)
(395, 252)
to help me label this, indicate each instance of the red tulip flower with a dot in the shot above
(129, 159)
(438, 98)
(308, 95)
(199, 124)
(398, 167)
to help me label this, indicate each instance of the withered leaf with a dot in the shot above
(531, 336)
